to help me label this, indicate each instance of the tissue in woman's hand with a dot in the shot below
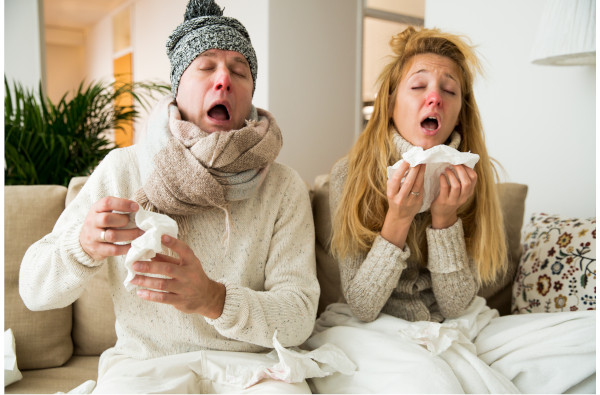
(437, 159)
(149, 244)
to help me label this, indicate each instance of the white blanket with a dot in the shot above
(219, 371)
(543, 352)
(475, 353)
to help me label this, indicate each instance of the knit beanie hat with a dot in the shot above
(204, 27)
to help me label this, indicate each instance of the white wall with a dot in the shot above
(149, 38)
(540, 121)
(65, 61)
(23, 50)
(99, 52)
(64, 66)
(313, 74)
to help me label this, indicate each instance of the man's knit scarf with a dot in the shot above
(185, 170)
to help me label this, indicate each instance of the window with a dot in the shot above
(381, 20)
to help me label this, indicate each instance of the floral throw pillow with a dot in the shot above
(557, 271)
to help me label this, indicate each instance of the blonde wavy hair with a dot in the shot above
(360, 215)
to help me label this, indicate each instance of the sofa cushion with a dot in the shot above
(558, 269)
(43, 338)
(93, 311)
(63, 379)
(75, 186)
(512, 200)
(327, 268)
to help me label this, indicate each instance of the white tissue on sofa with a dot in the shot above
(11, 370)
(437, 159)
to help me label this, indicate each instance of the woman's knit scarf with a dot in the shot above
(185, 170)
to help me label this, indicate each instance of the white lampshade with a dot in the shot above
(566, 34)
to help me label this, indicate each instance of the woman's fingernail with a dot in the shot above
(167, 239)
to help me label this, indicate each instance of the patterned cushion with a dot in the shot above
(557, 271)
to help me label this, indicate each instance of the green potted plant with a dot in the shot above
(46, 143)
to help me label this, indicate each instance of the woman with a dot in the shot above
(425, 99)
(412, 322)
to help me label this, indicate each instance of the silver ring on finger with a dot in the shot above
(103, 236)
(415, 193)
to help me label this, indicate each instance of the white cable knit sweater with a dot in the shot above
(269, 270)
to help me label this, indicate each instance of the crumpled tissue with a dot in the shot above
(438, 337)
(295, 365)
(11, 370)
(149, 244)
(437, 159)
(84, 388)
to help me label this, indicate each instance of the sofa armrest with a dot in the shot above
(43, 338)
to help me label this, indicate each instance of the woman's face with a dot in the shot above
(428, 100)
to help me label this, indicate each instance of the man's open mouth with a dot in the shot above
(219, 112)
(430, 123)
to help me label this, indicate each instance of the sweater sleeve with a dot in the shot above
(453, 282)
(289, 301)
(55, 269)
(367, 280)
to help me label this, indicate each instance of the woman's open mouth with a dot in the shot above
(430, 123)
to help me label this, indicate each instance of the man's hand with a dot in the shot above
(188, 288)
(101, 228)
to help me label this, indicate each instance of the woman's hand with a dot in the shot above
(404, 200)
(101, 228)
(457, 185)
(188, 288)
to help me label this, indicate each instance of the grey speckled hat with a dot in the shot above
(204, 27)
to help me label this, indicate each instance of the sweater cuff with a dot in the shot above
(384, 251)
(72, 246)
(231, 309)
(447, 249)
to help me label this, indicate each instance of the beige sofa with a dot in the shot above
(58, 350)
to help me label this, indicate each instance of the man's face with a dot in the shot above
(215, 91)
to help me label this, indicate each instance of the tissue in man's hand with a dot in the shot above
(149, 244)
(437, 159)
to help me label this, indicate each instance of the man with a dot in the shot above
(242, 267)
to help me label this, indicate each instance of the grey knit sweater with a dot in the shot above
(268, 271)
(388, 279)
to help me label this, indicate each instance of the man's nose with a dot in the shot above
(433, 98)
(223, 80)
